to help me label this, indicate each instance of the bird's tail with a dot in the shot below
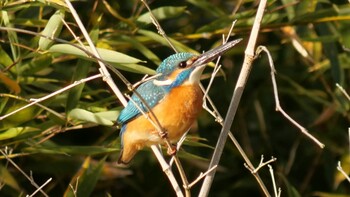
(126, 155)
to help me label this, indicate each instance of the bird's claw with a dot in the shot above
(172, 150)
(163, 134)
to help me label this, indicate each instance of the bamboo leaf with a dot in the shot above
(82, 114)
(52, 30)
(36, 65)
(69, 150)
(106, 54)
(161, 13)
(208, 7)
(119, 60)
(7, 178)
(16, 132)
(81, 71)
(85, 179)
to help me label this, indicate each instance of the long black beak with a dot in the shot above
(210, 55)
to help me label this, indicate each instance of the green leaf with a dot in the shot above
(136, 68)
(5, 59)
(109, 115)
(143, 49)
(69, 150)
(161, 13)
(158, 38)
(119, 60)
(52, 30)
(106, 54)
(85, 179)
(82, 114)
(7, 178)
(291, 190)
(338, 176)
(20, 117)
(208, 7)
(197, 142)
(12, 35)
(16, 132)
(81, 71)
(36, 64)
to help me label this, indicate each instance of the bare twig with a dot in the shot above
(277, 194)
(38, 104)
(35, 101)
(343, 91)
(202, 175)
(103, 70)
(158, 26)
(238, 91)
(215, 71)
(249, 164)
(167, 170)
(75, 189)
(340, 169)
(215, 113)
(261, 164)
(43, 185)
(31, 180)
(278, 106)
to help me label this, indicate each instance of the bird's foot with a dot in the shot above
(172, 150)
(163, 134)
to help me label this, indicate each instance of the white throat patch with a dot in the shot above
(162, 83)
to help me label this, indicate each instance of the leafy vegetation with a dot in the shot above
(71, 137)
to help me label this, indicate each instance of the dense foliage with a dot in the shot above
(71, 137)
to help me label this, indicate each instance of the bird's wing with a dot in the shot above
(151, 93)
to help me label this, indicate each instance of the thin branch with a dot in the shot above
(238, 91)
(24, 174)
(218, 118)
(343, 91)
(340, 169)
(42, 186)
(278, 106)
(277, 194)
(75, 189)
(261, 164)
(167, 170)
(202, 175)
(248, 164)
(158, 26)
(37, 104)
(216, 69)
(103, 70)
(35, 101)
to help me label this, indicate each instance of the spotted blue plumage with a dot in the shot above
(152, 93)
(170, 64)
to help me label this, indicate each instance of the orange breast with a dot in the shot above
(176, 113)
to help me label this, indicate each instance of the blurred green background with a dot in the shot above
(71, 137)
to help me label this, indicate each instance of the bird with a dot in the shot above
(174, 97)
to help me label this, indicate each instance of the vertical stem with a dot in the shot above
(238, 91)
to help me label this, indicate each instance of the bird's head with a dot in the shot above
(186, 68)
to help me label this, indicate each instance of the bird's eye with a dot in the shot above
(183, 64)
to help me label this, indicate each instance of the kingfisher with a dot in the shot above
(174, 98)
